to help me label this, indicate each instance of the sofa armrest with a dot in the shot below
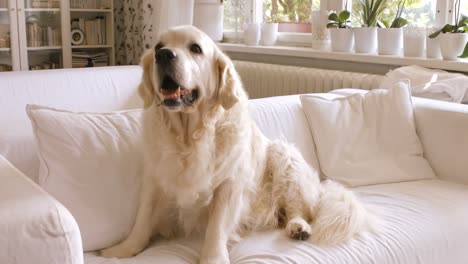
(443, 130)
(34, 227)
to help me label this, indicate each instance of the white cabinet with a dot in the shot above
(37, 34)
(9, 46)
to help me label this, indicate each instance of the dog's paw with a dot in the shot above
(298, 229)
(118, 251)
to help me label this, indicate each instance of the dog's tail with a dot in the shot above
(339, 215)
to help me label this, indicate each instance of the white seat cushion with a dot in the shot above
(423, 222)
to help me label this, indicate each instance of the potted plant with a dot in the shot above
(208, 16)
(454, 38)
(341, 35)
(269, 31)
(390, 35)
(366, 36)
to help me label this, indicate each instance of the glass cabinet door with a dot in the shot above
(42, 34)
(6, 60)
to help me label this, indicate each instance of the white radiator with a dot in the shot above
(265, 80)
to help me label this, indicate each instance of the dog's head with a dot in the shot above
(186, 69)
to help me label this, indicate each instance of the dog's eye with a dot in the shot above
(196, 49)
(159, 46)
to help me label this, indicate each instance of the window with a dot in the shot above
(291, 15)
(419, 13)
(294, 15)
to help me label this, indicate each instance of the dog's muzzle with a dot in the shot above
(176, 96)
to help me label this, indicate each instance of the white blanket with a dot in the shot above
(432, 84)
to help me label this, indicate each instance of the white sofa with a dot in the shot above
(426, 221)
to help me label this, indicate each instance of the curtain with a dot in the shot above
(135, 28)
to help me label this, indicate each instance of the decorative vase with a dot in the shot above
(390, 41)
(252, 33)
(208, 17)
(432, 45)
(452, 45)
(414, 42)
(342, 39)
(365, 39)
(269, 34)
(320, 33)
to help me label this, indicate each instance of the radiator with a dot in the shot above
(265, 80)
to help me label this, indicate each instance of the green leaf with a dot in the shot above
(465, 52)
(344, 15)
(332, 25)
(333, 17)
(463, 22)
(382, 24)
(435, 34)
(399, 22)
(449, 28)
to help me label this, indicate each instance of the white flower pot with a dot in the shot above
(414, 46)
(342, 39)
(269, 34)
(365, 39)
(433, 48)
(208, 17)
(452, 45)
(252, 32)
(390, 41)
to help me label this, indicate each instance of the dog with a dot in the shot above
(209, 170)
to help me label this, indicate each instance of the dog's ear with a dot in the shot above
(146, 88)
(228, 83)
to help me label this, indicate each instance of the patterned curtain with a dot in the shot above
(135, 27)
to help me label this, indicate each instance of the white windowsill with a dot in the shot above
(304, 52)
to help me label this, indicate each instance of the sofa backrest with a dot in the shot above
(87, 90)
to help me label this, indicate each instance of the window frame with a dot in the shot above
(254, 12)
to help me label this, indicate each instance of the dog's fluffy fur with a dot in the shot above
(209, 170)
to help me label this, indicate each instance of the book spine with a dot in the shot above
(99, 31)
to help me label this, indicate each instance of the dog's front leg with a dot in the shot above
(141, 232)
(223, 218)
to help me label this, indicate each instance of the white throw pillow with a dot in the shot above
(365, 139)
(91, 163)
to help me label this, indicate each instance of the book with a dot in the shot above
(89, 59)
(94, 30)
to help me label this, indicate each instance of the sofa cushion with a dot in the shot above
(422, 222)
(365, 139)
(99, 89)
(91, 163)
(282, 117)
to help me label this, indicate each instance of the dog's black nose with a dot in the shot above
(165, 56)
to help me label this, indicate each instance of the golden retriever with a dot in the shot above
(209, 169)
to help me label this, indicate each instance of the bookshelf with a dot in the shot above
(37, 34)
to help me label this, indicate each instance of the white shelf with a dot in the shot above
(94, 10)
(45, 48)
(303, 52)
(91, 47)
(3, 9)
(42, 9)
(5, 49)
